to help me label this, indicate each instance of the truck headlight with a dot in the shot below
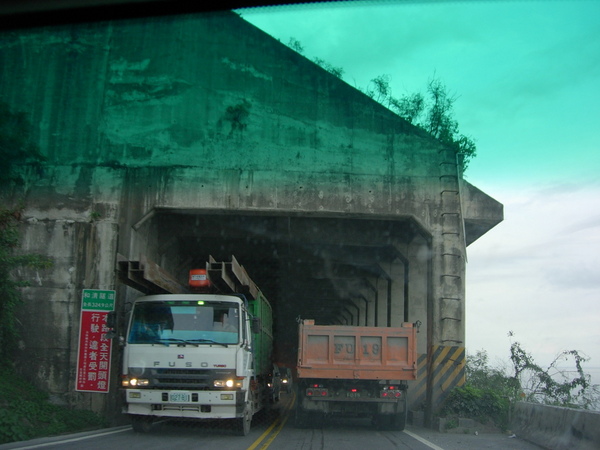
(224, 383)
(230, 383)
(135, 382)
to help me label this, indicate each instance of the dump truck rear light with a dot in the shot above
(388, 393)
(317, 392)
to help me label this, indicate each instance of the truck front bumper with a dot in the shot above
(186, 404)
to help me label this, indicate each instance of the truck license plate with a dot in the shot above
(353, 394)
(179, 397)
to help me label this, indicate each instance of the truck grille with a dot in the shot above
(196, 379)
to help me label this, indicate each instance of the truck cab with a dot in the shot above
(190, 356)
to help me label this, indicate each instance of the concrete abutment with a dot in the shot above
(339, 209)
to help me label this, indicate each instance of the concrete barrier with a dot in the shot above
(557, 428)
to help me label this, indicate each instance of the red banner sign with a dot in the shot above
(93, 360)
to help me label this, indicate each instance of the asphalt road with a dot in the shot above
(275, 431)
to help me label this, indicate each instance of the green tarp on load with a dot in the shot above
(263, 341)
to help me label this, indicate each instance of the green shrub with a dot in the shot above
(26, 413)
(483, 405)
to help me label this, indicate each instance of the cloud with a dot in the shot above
(538, 273)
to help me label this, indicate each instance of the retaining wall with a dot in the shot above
(557, 428)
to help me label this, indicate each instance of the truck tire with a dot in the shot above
(381, 421)
(141, 424)
(399, 421)
(390, 422)
(242, 424)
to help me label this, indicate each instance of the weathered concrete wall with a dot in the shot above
(83, 255)
(204, 114)
(557, 428)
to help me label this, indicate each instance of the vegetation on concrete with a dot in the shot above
(16, 144)
(26, 413)
(486, 397)
(16, 147)
(432, 112)
(483, 405)
(296, 45)
(11, 260)
(237, 116)
(489, 392)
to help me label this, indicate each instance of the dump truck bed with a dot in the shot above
(360, 353)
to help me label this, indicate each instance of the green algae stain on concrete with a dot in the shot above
(199, 98)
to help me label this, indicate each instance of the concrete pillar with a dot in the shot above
(382, 286)
(419, 254)
(446, 336)
(362, 310)
(369, 293)
(397, 273)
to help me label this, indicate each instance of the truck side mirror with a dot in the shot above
(256, 325)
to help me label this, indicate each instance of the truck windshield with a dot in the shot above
(193, 323)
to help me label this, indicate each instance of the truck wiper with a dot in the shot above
(152, 341)
(208, 341)
(178, 341)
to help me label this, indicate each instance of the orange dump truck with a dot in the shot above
(355, 371)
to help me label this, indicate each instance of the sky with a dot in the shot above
(526, 77)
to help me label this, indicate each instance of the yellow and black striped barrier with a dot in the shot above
(441, 370)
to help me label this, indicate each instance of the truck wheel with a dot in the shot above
(242, 426)
(381, 421)
(141, 424)
(390, 422)
(399, 421)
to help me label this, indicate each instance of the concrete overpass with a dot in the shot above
(181, 137)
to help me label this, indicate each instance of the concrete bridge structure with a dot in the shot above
(181, 137)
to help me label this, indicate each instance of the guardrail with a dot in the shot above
(557, 428)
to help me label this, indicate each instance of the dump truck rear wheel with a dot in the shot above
(390, 422)
(399, 422)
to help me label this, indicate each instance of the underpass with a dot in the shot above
(333, 270)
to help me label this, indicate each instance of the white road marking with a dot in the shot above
(81, 438)
(423, 441)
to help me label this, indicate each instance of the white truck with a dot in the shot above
(202, 355)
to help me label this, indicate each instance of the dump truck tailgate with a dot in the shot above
(364, 353)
